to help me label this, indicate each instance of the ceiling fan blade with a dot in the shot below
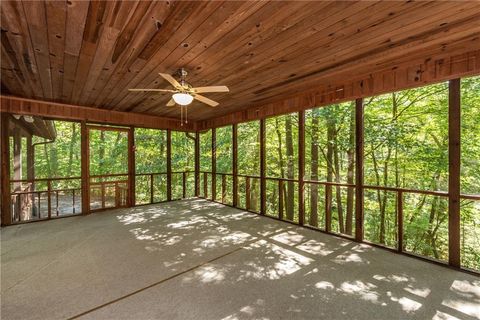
(172, 80)
(152, 90)
(205, 100)
(211, 89)
(171, 103)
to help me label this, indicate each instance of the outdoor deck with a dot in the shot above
(195, 259)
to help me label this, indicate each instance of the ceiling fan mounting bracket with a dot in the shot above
(182, 73)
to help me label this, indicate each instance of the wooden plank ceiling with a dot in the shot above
(90, 53)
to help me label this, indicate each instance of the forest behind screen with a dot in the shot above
(405, 146)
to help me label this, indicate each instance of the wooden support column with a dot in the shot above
(301, 167)
(17, 158)
(30, 159)
(131, 167)
(400, 221)
(17, 170)
(454, 150)
(169, 165)
(85, 154)
(184, 185)
(197, 164)
(263, 184)
(31, 173)
(214, 164)
(359, 129)
(235, 165)
(6, 217)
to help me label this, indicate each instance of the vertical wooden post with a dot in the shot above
(301, 167)
(224, 188)
(328, 207)
(30, 160)
(214, 164)
(6, 217)
(247, 193)
(103, 194)
(131, 167)
(151, 188)
(85, 159)
(184, 184)
(17, 170)
(49, 198)
(454, 128)
(197, 164)
(359, 129)
(31, 172)
(400, 221)
(235, 165)
(169, 165)
(263, 184)
(205, 185)
(280, 199)
(17, 158)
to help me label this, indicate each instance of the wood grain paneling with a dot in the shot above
(71, 112)
(89, 53)
(412, 75)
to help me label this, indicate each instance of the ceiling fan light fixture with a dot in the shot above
(183, 99)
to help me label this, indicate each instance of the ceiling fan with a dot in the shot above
(183, 92)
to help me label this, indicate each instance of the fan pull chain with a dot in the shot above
(181, 116)
(186, 114)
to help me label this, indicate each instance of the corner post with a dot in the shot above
(5, 170)
(169, 165)
(359, 129)
(85, 159)
(197, 164)
(454, 131)
(214, 164)
(301, 167)
(131, 166)
(235, 165)
(263, 184)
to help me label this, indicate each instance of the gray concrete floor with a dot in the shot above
(194, 259)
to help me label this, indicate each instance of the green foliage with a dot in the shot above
(150, 150)
(224, 149)
(470, 172)
(108, 152)
(60, 158)
(281, 163)
(183, 151)
(248, 137)
(206, 151)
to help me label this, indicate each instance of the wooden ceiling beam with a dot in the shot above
(61, 111)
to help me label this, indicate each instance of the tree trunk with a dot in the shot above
(71, 149)
(313, 221)
(280, 159)
(101, 152)
(47, 158)
(338, 193)
(330, 140)
(350, 172)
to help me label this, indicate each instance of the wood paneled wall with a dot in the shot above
(16, 105)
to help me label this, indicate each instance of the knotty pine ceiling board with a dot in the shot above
(90, 53)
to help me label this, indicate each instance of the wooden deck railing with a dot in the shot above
(280, 200)
(179, 178)
(27, 204)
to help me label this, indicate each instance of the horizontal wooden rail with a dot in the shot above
(108, 175)
(45, 179)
